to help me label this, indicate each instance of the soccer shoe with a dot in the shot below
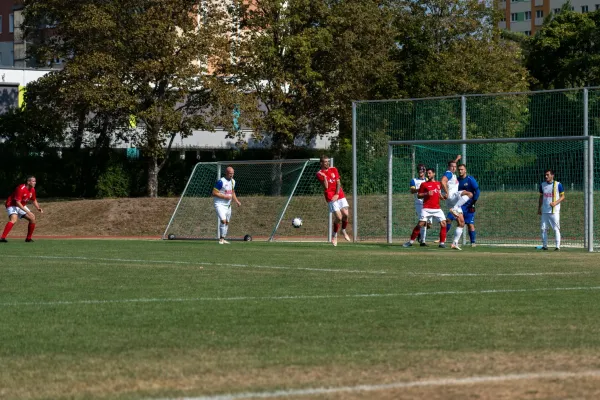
(544, 248)
(346, 236)
(223, 241)
(473, 244)
(407, 244)
(436, 241)
(28, 240)
(442, 245)
(455, 247)
(3, 240)
(424, 244)
(557, 249)
(334, 240)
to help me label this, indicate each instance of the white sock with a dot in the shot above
(223, 229)
(557, 233)
(457, 234)
(423, 233)
(544, 238)
(463, 199)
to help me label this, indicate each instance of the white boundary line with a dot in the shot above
(350, 271)
(401, 385)
(167, 262)
(298, 297)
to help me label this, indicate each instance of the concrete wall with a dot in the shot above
(9, 96)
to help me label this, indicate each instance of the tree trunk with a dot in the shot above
(153, 170)
(78, 136)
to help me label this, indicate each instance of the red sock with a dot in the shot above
(7, 229)
(415, 232)
(344, 224)
(336, 227)
(30, 229)
(443, 235)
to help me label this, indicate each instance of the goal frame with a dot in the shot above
(588, 174)
(219, 165)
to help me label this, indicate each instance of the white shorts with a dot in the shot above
(223, 212)
(452, 200)
(338, 205)
(550, 221)
(429, 213)
(418, 209)
(16, 210)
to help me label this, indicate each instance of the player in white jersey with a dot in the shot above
(415, 184)
(454, 198)
(223, 193)
(551, 195)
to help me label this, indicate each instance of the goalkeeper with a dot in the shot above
(466, 183)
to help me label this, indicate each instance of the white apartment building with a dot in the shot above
(527, 16)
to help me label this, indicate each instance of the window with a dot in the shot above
(597, 6)
(556, 10)
(584, 9)
(539, 14)
(503, 19)
(514, 17)
(572, 8)
(0, 23)
(527, 15)
(527, 33)
(11, 23)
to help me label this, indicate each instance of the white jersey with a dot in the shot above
(415, 183)
(224, 187)
(550, 192)
(452, 183)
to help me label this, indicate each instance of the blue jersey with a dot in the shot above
(469, 184)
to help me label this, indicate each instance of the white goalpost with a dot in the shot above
(272, 193)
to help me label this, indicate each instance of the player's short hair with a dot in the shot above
(29, 178)
(549, 170)
(431, 169)
(462, 165)
(421, 166)
(451, 162)
(324, 157)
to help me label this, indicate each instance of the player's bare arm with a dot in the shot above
(560, 200)
(236, 199)
(37, 206)
(337, 191)
(457, 159)
(220, 195)
(22, 207)
(324, 180)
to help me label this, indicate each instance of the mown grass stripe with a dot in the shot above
(298, 297)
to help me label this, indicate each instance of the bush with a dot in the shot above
(114, 182)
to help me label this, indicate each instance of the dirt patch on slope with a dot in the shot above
(143, 217)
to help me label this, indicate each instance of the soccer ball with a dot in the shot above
(171, 236)
(296, 222)
(247, 238)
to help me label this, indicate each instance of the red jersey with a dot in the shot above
(22, 194)
(332, 177)
(431, 201)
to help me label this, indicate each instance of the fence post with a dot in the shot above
(586, 173)
(354, 177)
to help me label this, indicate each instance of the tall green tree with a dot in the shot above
(448, 47)
(565, 52)
(305, 60)
(142, 61)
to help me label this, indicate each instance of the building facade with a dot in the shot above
(7, 28)
(526, 16)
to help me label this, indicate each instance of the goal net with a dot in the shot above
(272, 193)
(509, 175)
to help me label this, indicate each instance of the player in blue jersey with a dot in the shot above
(223, 193)
(551, 195)
(469, 186)
(415, 184)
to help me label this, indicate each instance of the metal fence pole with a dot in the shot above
(354, 178)
(586, 178)
(218, 220)
(389, 193)
(591, 193)
(463, 129)
(330, 215)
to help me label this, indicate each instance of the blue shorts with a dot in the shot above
(469, 216)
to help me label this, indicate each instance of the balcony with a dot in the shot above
(539, 21)
(539, 3)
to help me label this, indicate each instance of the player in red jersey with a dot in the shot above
(16, 208)
(431, 193)
(334, 195)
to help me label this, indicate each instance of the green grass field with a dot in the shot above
(152, 320)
